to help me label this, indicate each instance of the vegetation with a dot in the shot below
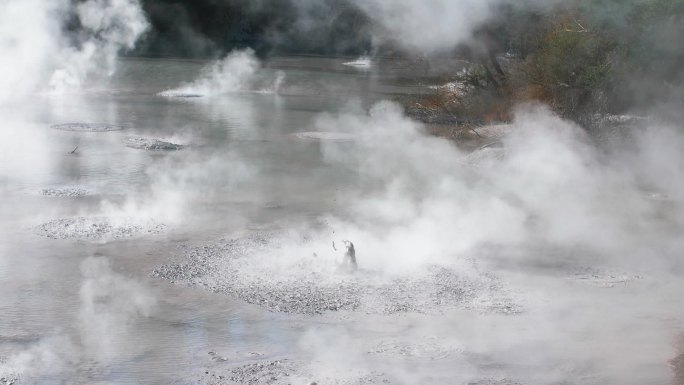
(583, 58)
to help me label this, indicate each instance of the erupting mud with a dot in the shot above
(305, 284)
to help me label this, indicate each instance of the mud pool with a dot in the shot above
(126, 261)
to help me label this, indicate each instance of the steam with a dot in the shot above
(427, 26)
(29, 39)
(421, 200)
(40, 54)
(417, 200)
(109, 305)
(109, 27)
(232, 74)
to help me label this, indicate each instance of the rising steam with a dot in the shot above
(109, 305)
(232, 74)
(40, 53)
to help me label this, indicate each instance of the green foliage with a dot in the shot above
(570, 59)
(627, 52)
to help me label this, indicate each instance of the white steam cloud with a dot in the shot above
(421, 200)
(232, 74)
(109, 305)
(110, 26)
(427, 26)
(39, 54)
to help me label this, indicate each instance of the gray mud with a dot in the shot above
(65, 192)
(97, 228)
(180, 94)
(485, 157)
(325, 136)
(427, 349)
(603, 277)
(285, 372)
(89, 127)
(10, 380)
(310, 285)
(7, 376)
(152, 144)
(294, 372)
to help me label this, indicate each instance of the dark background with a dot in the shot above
(211, 28)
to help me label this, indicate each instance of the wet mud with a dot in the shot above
(311, 285)
(97, 228)
(89, 127)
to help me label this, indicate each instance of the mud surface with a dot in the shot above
(152, 144)
(7, 376)
(486, 157)
(89, 127)
(428, 349)
(9, 380)
(259, 270)
(97, 228)
(295, 372)
(325, 136)
(65, 192)
(286, 372)
(179, 94)
(603, 277)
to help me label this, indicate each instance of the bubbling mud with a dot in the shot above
(310, 285)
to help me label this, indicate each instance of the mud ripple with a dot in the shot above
(89, 127)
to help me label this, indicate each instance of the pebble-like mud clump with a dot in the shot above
(65, 192)
(259, 270)
(89, 127)
(295, 372)
(151, 144)
(97, 228)
(286, 372)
